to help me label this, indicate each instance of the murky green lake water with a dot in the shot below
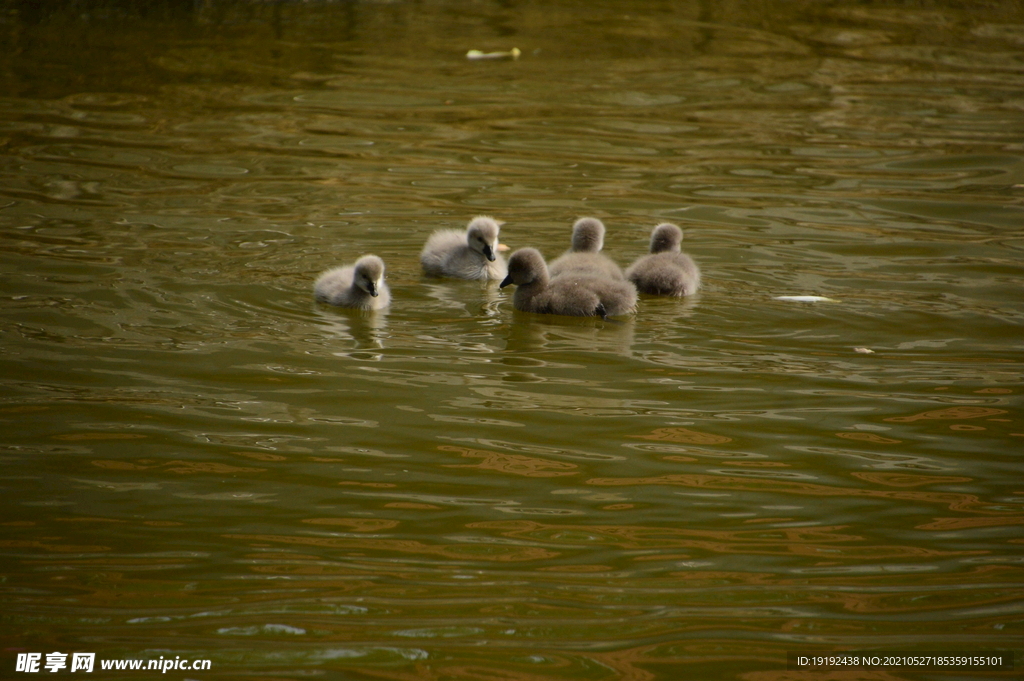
(200, 462)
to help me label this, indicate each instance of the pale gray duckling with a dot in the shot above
(359, 286)
(472, 254)
(666, 271)
(571, 293)
(585, 254)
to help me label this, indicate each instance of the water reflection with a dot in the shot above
(557, 452)
(957, 502)
(365, 330)
(516, 464)
(464, 298)
(530, 334)
(474, 552)
(819, 541)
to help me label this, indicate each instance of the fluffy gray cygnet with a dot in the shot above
(358, 286)
(666, 271)
(571, 293)
(585, 257)
(472, 254)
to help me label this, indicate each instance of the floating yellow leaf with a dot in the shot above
(477, 54)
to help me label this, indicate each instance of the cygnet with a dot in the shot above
(358, 286)
(571, 293)
(666, 271)
(585, 257)
(472, 254)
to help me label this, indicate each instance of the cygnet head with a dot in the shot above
(525, 266)
(482, 236)
(666, 237)
(588, 235)
(369, 274)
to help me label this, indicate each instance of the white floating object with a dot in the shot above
(864, 351)
(477, 54)
(807, 299)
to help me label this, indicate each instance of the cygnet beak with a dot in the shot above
(373, 289)
(489, 252)
(505, 282)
